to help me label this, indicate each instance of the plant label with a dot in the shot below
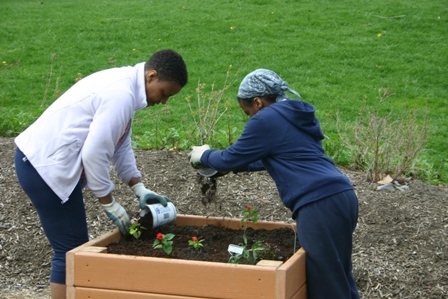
(235, 249)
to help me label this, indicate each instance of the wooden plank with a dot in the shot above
(102, 241)
(70, 292)
(87, 293)
(105, 239)
(199, 279)
(232, 223)
(70, 260)
(70, 268)
(291, 276)
(301, 293)
(269, 263)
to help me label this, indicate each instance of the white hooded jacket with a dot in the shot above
(88, 128)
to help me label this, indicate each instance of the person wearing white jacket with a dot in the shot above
(72, 144)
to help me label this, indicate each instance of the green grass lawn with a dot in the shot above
(336, 54)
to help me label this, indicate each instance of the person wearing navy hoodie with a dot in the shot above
(283, 136)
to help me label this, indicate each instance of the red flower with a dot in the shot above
(159, 236)
(194, 238)
(249, 208)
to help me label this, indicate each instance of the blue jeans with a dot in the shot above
(325, 229)
(64, 224)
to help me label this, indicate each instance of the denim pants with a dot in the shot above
(64, 225)
(325, 229)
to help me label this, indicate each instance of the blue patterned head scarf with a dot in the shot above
(264, 82)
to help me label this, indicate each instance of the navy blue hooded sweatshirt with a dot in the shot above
(285, 139)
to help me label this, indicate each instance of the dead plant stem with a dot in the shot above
(47, 86)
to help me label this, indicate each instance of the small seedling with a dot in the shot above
(249, 214)
(271, 252)
(196, 242)
(252, 254)
(136, 230)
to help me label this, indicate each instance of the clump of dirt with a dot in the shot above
(208, 187)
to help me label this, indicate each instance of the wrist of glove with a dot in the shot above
(195, 155)
(118, 215)
(146, 196)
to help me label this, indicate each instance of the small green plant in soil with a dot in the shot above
(136, 230)
(196, 242)
(249, 214)
(271, 252)
(252, 255)
(164, 242)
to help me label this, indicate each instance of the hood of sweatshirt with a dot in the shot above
(301, 115)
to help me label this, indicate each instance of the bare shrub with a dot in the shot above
(209, 109)
(384, 145)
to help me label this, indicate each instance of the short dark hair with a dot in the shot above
(169, 66)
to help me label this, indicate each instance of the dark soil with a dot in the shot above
(279, 243)
(400, 243)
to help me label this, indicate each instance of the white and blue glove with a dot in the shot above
(195, 155)
(118, 215)
(146, 196)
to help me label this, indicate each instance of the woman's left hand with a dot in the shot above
(195, 155)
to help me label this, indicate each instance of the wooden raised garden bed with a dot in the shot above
(92, 273)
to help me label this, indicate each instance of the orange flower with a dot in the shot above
(195, 242)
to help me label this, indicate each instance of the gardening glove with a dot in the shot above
(118, 215)
(195, 155)
(146, 196)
